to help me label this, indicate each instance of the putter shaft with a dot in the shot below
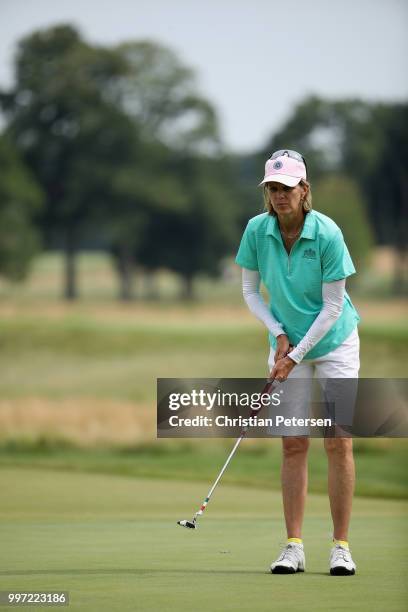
(192, 524)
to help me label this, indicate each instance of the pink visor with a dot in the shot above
(284, 169)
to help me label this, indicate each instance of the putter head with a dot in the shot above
(187, 524)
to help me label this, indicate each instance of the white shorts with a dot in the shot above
(342, 363)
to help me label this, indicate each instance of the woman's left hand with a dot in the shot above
(282, 369)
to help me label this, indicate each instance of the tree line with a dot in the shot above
(115, 148)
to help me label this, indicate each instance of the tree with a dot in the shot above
(339, 197)
(140, 192)
(20, 200)
(152, 193)
(159, 92)
(193, 240)
(385, 182)
(99, 128)
(63, 116)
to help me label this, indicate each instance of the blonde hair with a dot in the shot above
(306, 202)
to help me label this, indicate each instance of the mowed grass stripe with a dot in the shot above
(90, 336)
(380, 464)
(74, 358)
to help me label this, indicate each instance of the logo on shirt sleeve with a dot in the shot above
(309, 254)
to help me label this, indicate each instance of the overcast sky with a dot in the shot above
(254, 59)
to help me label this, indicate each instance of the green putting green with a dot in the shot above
(113, 543)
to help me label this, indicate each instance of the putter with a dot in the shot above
(193, 523)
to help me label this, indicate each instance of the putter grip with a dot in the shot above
(254, 413)
(267, 389)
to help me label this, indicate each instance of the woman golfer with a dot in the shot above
(300, 256)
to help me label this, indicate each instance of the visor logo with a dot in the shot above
(277, 165)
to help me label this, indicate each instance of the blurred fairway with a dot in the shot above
(99, 348)
(113, 543)
(84, 374)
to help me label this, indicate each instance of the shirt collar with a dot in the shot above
(308, 231)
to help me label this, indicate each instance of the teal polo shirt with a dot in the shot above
(294, 281)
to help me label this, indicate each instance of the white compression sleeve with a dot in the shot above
(251, 281)
(333, 296)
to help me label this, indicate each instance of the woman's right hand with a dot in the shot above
(283, 347)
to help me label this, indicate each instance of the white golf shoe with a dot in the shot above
(291, 560)
(341, 563)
